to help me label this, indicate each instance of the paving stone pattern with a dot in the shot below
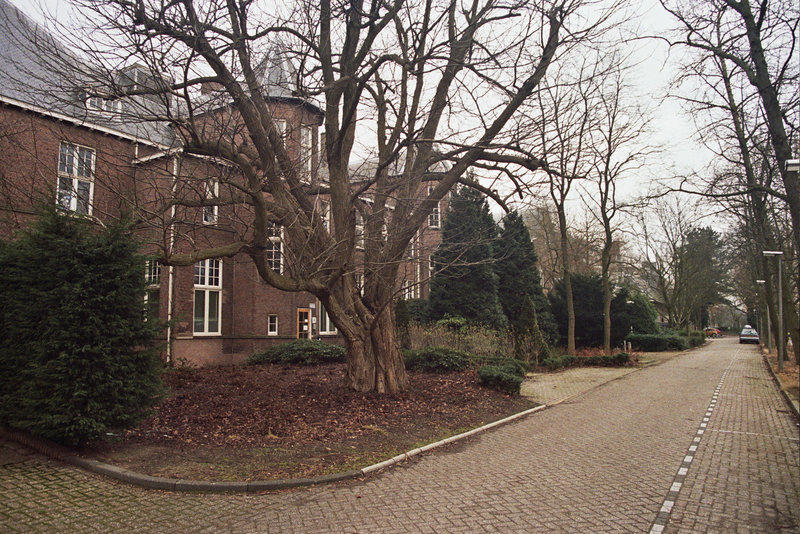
(603, 461)
(552, 388)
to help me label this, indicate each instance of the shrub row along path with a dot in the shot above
(700, 443)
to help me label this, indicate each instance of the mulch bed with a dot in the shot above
(305, 418)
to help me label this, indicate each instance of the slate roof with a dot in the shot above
(39, 72)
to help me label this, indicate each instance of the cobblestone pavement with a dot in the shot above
(552, 388)
(603, 461)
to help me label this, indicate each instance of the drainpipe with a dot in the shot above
(171, 276)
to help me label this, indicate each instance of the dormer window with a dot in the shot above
(106, 105)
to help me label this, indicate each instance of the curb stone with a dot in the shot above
(63, 454)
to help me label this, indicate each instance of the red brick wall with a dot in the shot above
(29, 167)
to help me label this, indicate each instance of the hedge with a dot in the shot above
(501, 377)
(696, 338)
(658, 342)
(617, 360)
(436, 360)
(300, 352)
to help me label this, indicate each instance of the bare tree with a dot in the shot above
(734, 122)
(563, 122)
(409, 84)
(684, 265)
(760, 41)
(618, 152)
(663, 229)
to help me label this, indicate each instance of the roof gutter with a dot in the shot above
(80, 122)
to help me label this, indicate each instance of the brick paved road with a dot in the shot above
(604, 461)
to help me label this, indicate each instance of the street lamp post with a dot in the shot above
(769, 325)
(778, 254)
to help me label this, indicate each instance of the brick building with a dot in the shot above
(100, 157)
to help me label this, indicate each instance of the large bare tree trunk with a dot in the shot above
(374, 359)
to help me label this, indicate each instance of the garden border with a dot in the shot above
(789, 400)
(63, 454)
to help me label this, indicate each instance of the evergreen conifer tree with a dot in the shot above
(76, 351)
(520, 290)
(464, 283)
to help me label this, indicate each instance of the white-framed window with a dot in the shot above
(411, 250)
(208, 297)
(152, 272)
(108, 105)
(325, 214)
(306, 149)
(272, 324)
(409, 290)
(431, 265)
(210, 192)
(326, 326)
(323, 160)
(280, 124)
(359, 231)
(152, 277)
(434, 218)
(275, 247)
(75, 178)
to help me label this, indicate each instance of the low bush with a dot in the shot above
(558, 362)
(500, 377)
(455, 322)
(519, 367)
(696, 338)
(657, 342)
(617, 360)
(300, 352)
(436, 360)
(468, 338)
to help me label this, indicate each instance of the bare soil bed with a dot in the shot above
(267, 422)
(790, 376)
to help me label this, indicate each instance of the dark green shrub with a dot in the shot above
(617, 360)
(76, 353)
(300, 352)
(519, 367)
(558, 362)
(657, 342)
(436, 360)
(500, 377)
(696, 338)
(401, 321)
(452, 323)
(417, 310)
